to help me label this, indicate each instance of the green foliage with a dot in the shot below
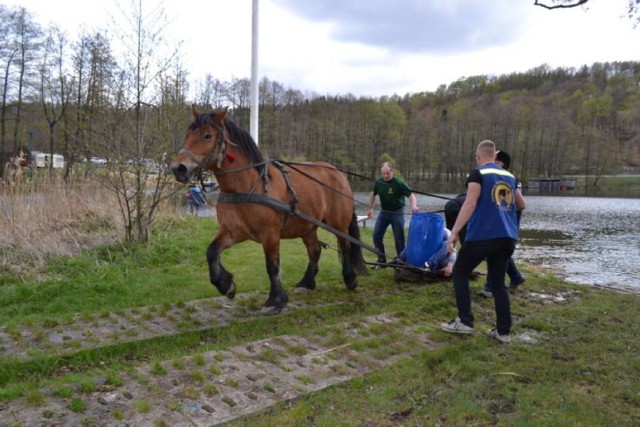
(88, 386)
(35, 398)
(210, 389)
(78, 405)
(114, 379)
(158, 369)
(142, 406)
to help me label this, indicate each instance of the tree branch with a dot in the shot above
(567, 4)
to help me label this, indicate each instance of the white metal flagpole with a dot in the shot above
(254, 74)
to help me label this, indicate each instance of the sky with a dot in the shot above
(370, 48)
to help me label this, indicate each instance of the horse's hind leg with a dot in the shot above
(355, 251)
(220, 278)
(308, 281)
(277, 296)
(348, 271)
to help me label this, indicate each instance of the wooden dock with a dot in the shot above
(551, 185)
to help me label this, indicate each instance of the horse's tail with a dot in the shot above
(355, 253)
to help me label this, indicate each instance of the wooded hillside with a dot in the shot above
(74, 98)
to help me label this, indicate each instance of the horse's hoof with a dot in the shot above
(270, 311)
(301, 290)
(231, 293)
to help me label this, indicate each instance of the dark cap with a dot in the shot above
(504, 157)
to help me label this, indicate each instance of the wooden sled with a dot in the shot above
(418, 275)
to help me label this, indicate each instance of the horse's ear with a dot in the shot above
(220, 115)
(195, 110)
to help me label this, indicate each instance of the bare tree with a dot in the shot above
(55, 84)
(212, 92)
(28, 41)
(19, 44)
(136, 141)
(8, 54)
(94, 69)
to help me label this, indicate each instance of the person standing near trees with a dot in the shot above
(491, 234)
(392, 191)
(195, 199)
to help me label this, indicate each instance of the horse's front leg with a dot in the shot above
(220, 278)
(308, 281)
(277, 296)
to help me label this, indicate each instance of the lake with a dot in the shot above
(589, 240)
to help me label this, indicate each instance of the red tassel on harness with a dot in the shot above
(230, 157)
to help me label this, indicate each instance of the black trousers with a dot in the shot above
(497, 253)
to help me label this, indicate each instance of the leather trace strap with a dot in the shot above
(286, 208)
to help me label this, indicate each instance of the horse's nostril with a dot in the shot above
(180, 172)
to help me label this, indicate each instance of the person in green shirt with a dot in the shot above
(392, 192)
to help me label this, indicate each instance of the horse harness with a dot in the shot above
(289, 208)
(281, 206)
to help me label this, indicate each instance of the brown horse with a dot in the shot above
(263, 200)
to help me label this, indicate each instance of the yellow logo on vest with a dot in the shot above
(502, 196)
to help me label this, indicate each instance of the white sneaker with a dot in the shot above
(504, 339)
(456, 327)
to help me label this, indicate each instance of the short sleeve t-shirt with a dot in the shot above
(392, 193)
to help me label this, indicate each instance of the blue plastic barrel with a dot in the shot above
(425, 237)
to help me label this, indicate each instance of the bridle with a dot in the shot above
(221, 142)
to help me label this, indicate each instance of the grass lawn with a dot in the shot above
(573, 361)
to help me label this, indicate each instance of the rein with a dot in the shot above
(290, 164)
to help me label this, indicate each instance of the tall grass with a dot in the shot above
(46, 218)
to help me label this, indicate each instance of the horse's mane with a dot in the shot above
(239, 136)
(245, 142)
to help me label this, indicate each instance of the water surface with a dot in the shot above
(586, 240)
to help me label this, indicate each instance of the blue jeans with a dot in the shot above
(384, 220)
(497, 253)
(439, 260)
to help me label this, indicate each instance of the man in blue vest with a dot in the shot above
(503, 159)
(489, 211)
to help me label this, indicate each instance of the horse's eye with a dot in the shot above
(207, 136)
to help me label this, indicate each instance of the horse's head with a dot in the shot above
(204, 145)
